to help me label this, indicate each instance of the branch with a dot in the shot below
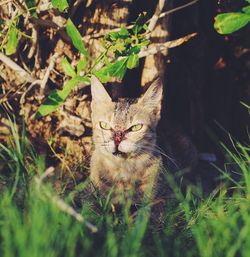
(69, 210)
(101, 34)
(47, 73)
(60, 203)
(23, 73)
(177, 8)
(155, 17)
(163, 46)
(5, 2)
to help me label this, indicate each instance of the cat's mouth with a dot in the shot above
(118, 153)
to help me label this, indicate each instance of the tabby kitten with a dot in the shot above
(125, 159)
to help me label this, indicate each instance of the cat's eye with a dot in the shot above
(136, 127)
(105, 125)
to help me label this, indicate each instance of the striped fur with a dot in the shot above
(134, 164)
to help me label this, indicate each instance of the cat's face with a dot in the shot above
(127, 126)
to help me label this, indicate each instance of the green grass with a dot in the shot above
(36, 221)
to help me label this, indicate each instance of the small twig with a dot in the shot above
(20, 6)
(22, 98)
(34, 41)
(12, 93)
(6, 104)
(26, 75)
(60, 203)
(5, 2)
(155, 17)
(156, 48)
(75, 7)
(47, 73)
(48, 172)
(69, 210)
(177, 8)
(6, 60)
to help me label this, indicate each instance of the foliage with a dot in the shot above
(227, 23)
(120, 52)
(124, 45)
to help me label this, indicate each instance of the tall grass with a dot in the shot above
(32, 224)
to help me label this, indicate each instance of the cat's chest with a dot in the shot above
(124, 170)
(125, 175)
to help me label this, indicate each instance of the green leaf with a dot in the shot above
(67, 68)
(145, 27)
(246, 9)
(248, 1)
(103, 75)
(81, 65)
(119, 45)
(76, 37)
(57, 97)
(124, 32)
(133, 61)
(106, 61)
(61, 5)
(114, 35)
(118, 69)
(134, 49)
(144, 42)
(227, 23)
(139, 24)
(12, 41)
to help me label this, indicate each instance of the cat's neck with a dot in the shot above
(124, 166)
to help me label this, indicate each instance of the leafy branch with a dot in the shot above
(124, 46)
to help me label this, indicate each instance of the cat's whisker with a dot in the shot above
(155, 150)
(160, 152)
(156, 147)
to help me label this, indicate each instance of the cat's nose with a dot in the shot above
(118, 136)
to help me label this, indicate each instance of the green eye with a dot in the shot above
(136, 127)
(105, 125)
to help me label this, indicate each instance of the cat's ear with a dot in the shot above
(98, 92)
(152, 98)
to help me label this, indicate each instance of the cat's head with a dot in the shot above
(128, 126)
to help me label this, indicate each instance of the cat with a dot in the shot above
(125, 159)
